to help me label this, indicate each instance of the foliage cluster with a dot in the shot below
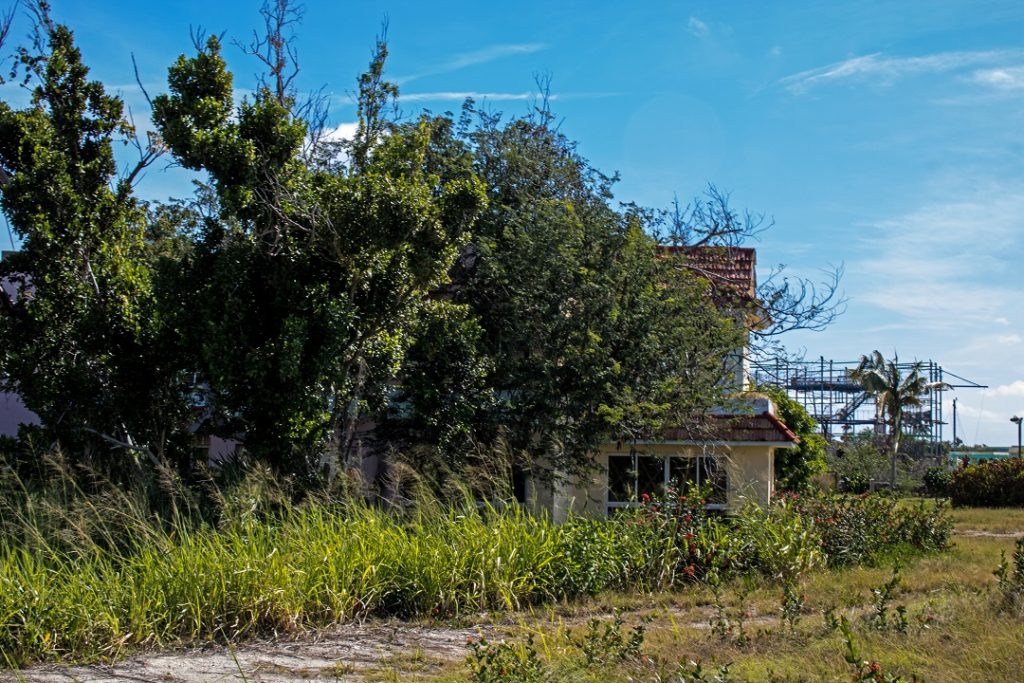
(866, 528)
(795, 468)
(992, 483)
(857, 461)
(937, 480)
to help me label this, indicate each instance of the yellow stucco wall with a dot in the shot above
(750, 471)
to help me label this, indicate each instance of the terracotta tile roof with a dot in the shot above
(763, 428)
(730, 270)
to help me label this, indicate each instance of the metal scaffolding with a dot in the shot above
(840, 405)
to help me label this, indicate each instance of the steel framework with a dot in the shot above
(837, 402)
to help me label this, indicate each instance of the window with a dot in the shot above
(630, 476)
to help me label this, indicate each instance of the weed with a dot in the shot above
(881, 618)
(865, 671)
(792, 605)
(694, 672)
(1011, 581)
(729, 624)
(505, 662)
(831, 620)
(607, 644)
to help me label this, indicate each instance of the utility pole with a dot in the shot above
(954, 427)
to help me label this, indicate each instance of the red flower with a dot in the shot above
(645, 497)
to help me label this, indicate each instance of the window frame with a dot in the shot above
(611, 505)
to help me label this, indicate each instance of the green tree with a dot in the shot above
(894, 392)
(81, 337)
(307, 283)
(795, 467)
(587, 332)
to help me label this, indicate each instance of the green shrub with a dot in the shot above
(994, 483)
(864, 528)
(937, 481)
(505, 662)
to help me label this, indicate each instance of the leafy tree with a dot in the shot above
(586, 330)
(795, 467)
(311, 276)
(894, 392)
(81, 340)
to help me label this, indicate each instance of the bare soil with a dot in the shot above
(989, 534)
(351, 652)
(348, 652)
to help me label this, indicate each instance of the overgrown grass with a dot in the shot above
(946, 618)
(87, 575)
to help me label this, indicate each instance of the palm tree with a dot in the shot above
(893, 392)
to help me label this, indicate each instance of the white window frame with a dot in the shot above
(610, 505)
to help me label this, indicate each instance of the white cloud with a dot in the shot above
(343, 131)
(697, 27)
(776, 51)
(1004, 78)
(1011, 389)
(1001, 320)
(1009, 339)
(881, 69)
(966, 410)
(467, 59)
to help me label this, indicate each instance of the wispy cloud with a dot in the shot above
(697, 27)
(948, 263)
(1004, 78)
(467, 59)
(881, 69)
(459, 95)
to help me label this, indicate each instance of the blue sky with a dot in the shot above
(885, 136)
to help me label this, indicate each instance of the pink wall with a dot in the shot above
(12, 413)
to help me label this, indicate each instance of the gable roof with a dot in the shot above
(763, 428)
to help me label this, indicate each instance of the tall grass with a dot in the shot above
(87, 574)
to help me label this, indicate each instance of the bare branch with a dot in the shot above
(275, 49)
(708, 220)
(789, 303)
(138, 81)
(6, 21)
(148, 153)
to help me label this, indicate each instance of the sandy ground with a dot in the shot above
(989, 534)
(350, 652)
(346, 653)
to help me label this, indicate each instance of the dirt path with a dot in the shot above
(349, 652)
(989, 534)
(346, 653)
